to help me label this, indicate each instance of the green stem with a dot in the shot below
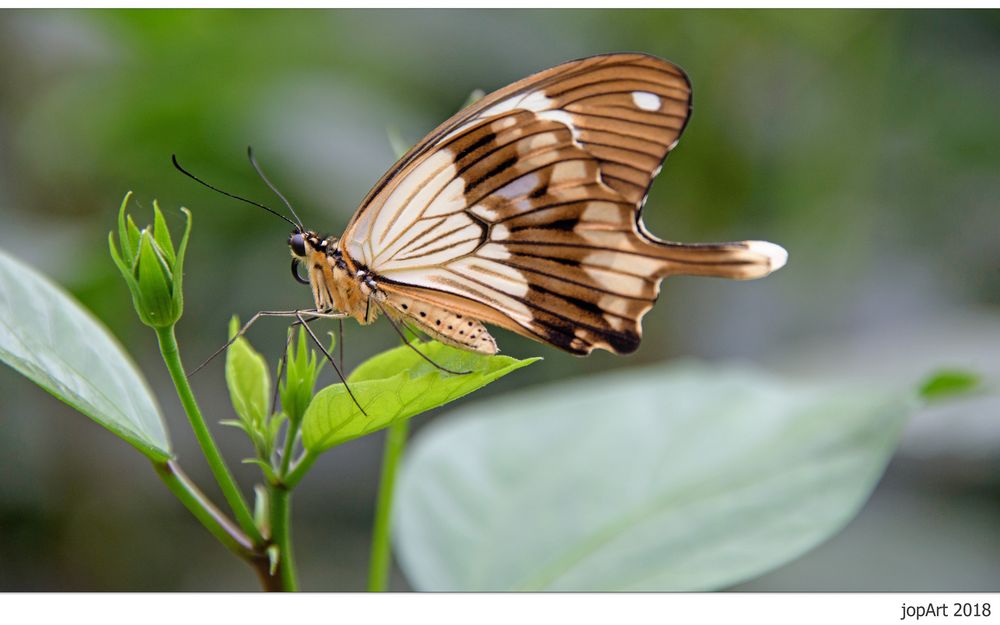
(293, 477)
(171, 356)
(289, 448)
(214, 520)
(204, 510)
(381, 553)
(281, 535)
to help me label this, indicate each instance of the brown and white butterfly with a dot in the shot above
(523, 211)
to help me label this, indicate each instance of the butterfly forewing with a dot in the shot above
(523, 210)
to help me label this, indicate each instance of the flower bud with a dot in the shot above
(151, 267)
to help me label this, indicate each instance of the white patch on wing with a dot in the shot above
(776, 254)
(445, 250)
(450, 199)
(498, 275)
(485, 212)
(441, 279)
(623, 284)
(646, 101)
(426, 236)
(518, 187)
(610, 240)
(399, 211)
(356, 249)
(568, 171)
(539, 141)
(562, 117)
(602, 212)
(626, 263)
(494, 251)
(499, 232)
(532, 101)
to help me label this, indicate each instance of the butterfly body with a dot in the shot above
(523, 211)
(341, 287)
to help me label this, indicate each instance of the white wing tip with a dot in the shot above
(777, 256)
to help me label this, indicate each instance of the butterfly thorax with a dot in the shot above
(337, 286)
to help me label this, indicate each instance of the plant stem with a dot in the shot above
(171, 356)
(281, 535)
(204, 510)
(215, 521)
(381, 553)
(293, 477)
(289, 448)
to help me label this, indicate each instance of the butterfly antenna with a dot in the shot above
(270, 185)
(407, 342)
(173, 157)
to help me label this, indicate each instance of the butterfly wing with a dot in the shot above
(523, 210)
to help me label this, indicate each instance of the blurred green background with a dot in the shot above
(866, 143)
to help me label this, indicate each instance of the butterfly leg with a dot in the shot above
(304, 322)
(333, 363)
(340, 340)
(254, 319)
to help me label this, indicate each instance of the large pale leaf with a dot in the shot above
(669, 478)
(394, 385)
(48, 337)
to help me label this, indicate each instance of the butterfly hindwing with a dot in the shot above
(442, 323)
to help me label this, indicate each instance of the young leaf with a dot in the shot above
(676, 478)
(249, 382)
(948, 383)
(49, 338)
(397, 384)
(301, 370)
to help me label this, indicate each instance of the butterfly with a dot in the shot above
(523, 211)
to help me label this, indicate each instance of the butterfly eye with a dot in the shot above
(298, 244)
(295, 272)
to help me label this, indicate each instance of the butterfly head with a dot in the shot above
(302, 242)
(305, 245)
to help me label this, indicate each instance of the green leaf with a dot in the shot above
(49, 338)
(676, 478)
(249, 381)
(948, 383)
(397, 384)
